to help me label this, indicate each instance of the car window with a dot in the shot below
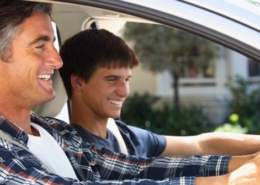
(206, 85)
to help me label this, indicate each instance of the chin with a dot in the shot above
(115, 115)
(45, 98)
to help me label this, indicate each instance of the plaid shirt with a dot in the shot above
(19, 166)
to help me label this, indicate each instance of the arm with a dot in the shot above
(161, 167)
(19, 166)
(92, 163)
(109, 165)
(25, 169)
(212, 143)
(183, 170)
(35, 175)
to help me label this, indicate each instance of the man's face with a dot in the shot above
(106, 91)
(26, 74)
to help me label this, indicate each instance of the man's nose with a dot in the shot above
(55, 59)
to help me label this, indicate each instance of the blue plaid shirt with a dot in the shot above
(19, 166)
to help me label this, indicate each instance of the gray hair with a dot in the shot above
(6, 36)
(13, 13)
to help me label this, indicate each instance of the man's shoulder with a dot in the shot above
(59, 129)
(52, 123)
(48, 120)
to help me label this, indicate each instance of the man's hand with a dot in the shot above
(247, 174)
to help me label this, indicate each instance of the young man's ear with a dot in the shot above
(76, 82)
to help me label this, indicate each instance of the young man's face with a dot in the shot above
(26, 74)
(106, 91)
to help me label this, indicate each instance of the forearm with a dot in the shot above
(228, 143)
(212, 144)
(214, 180)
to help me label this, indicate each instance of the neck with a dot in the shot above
(20, 117)
(15, 109)
(88, 120)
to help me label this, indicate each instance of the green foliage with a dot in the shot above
(161, 48)
(140, 111)
(240, 103)
(186, 121)
(227, 127)
(246, 104)
(232, 126)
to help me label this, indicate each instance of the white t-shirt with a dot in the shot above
(47, 150)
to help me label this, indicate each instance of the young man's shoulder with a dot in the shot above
(132, 128)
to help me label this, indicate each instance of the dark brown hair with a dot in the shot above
(83, 53)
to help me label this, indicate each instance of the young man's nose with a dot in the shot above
(123, 89)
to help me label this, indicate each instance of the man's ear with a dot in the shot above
(76, 82)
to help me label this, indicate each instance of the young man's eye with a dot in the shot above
(111, 80)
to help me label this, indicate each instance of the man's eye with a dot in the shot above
(39, 46)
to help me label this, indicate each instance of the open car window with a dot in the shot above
(235, 29)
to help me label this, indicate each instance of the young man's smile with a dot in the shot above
(106, 91)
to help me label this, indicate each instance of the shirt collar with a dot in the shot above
(17, 133)
(14, 131)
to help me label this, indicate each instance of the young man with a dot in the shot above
(30, 155)
(96, 73)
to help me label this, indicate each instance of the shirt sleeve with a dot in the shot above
(150, 143)
(25, 169)
(141, 142)
(120, 166)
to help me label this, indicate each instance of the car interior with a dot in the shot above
(203, 18)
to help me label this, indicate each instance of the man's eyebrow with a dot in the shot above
(42, 38)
